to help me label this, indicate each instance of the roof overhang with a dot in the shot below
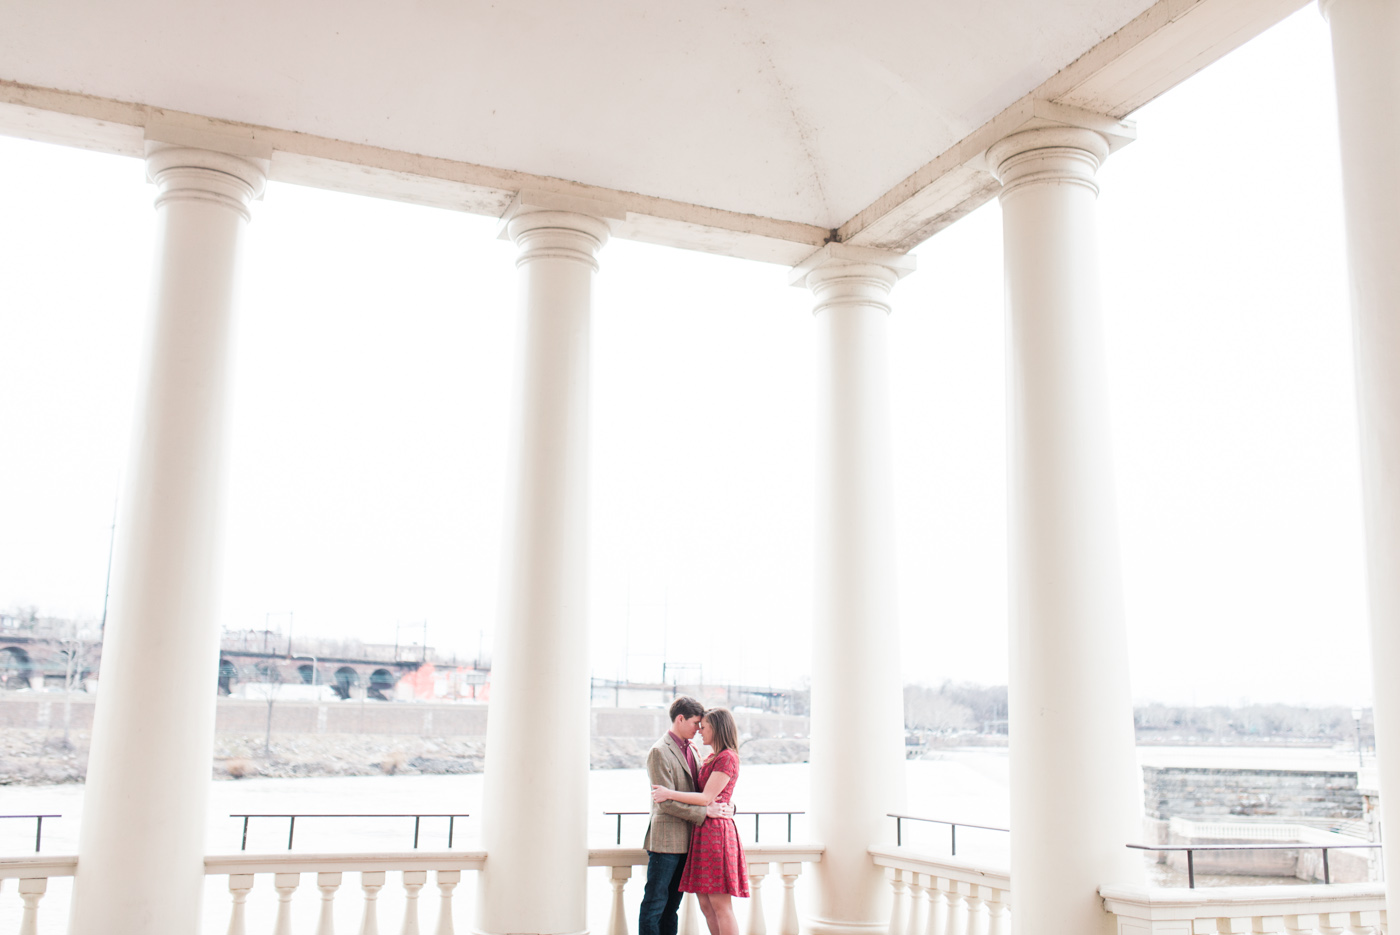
(1162, 46)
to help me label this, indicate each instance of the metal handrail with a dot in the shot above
(1190, 850)
(38, 826)
(953, 827)
(292, 822)
(755, 815)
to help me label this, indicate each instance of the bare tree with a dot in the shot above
(78, 654)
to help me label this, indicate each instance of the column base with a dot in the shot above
(812, 925)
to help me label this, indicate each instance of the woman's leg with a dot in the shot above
(708, 911)
(723, 908)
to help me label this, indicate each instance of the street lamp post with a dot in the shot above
(1356, 715)
(313, 666)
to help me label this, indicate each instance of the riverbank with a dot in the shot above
(39, 757)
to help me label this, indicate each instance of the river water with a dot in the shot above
(968, 785)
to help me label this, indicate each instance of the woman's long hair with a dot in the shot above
(723, 734)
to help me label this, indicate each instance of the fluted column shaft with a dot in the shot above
(1366, 57)
(535, 822)
(153, 733)
(857, 698)
(1075, 791)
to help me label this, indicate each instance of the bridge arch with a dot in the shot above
(15, 668)
(228, 674)
(346, 679)
(381, 684)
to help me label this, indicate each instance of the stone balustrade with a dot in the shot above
(933, 895)
(286, 871)
(412, 872)
(33, 874)
(789, 859)
(936, 895)
(1352, 908)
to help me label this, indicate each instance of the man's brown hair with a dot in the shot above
(687, 707)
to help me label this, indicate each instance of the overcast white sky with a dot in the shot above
(373, 379)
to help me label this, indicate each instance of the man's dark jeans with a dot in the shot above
(662, 896)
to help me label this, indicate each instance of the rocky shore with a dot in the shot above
(31, 757)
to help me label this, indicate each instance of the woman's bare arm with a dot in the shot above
(713, 788)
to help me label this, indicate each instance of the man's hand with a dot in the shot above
(719, 810)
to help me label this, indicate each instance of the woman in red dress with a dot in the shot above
(716, 868)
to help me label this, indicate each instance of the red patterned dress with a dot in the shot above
(716, 863)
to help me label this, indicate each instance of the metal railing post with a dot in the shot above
(1190, 869)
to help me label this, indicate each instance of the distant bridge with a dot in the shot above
(40, 656)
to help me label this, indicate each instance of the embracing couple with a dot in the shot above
(692, 844)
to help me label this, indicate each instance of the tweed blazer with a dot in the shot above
(669, 829)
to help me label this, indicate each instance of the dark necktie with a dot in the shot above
(694, 771)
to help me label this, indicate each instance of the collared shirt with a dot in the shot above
(689, 759)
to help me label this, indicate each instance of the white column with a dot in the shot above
(535, 823)
(1076, 793)
(141, 845)
(1366, 57)
(857, 696)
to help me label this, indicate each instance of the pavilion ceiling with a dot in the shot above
(798, 115)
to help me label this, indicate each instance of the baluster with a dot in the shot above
(617, 920)
(789, 925)
(31, 891)
(238, 885)
(998, 912)
(976, 910)
(286, 884)
(447, 881)
(937, 906)
(913, 919)
(957, 909)
(690, 915)
(1331, 923)
(896, 878)
(1298, 925)
(758, 872)
(327, 883)
(1383, 924)
(1358, 924)
(413, 881)
(371, 881)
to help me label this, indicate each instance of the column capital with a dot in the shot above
(545, 224)
(561, 235)
(185, 173)
(841, 274)
(1065, 155)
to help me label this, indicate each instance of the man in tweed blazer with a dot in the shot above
(672, 764)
